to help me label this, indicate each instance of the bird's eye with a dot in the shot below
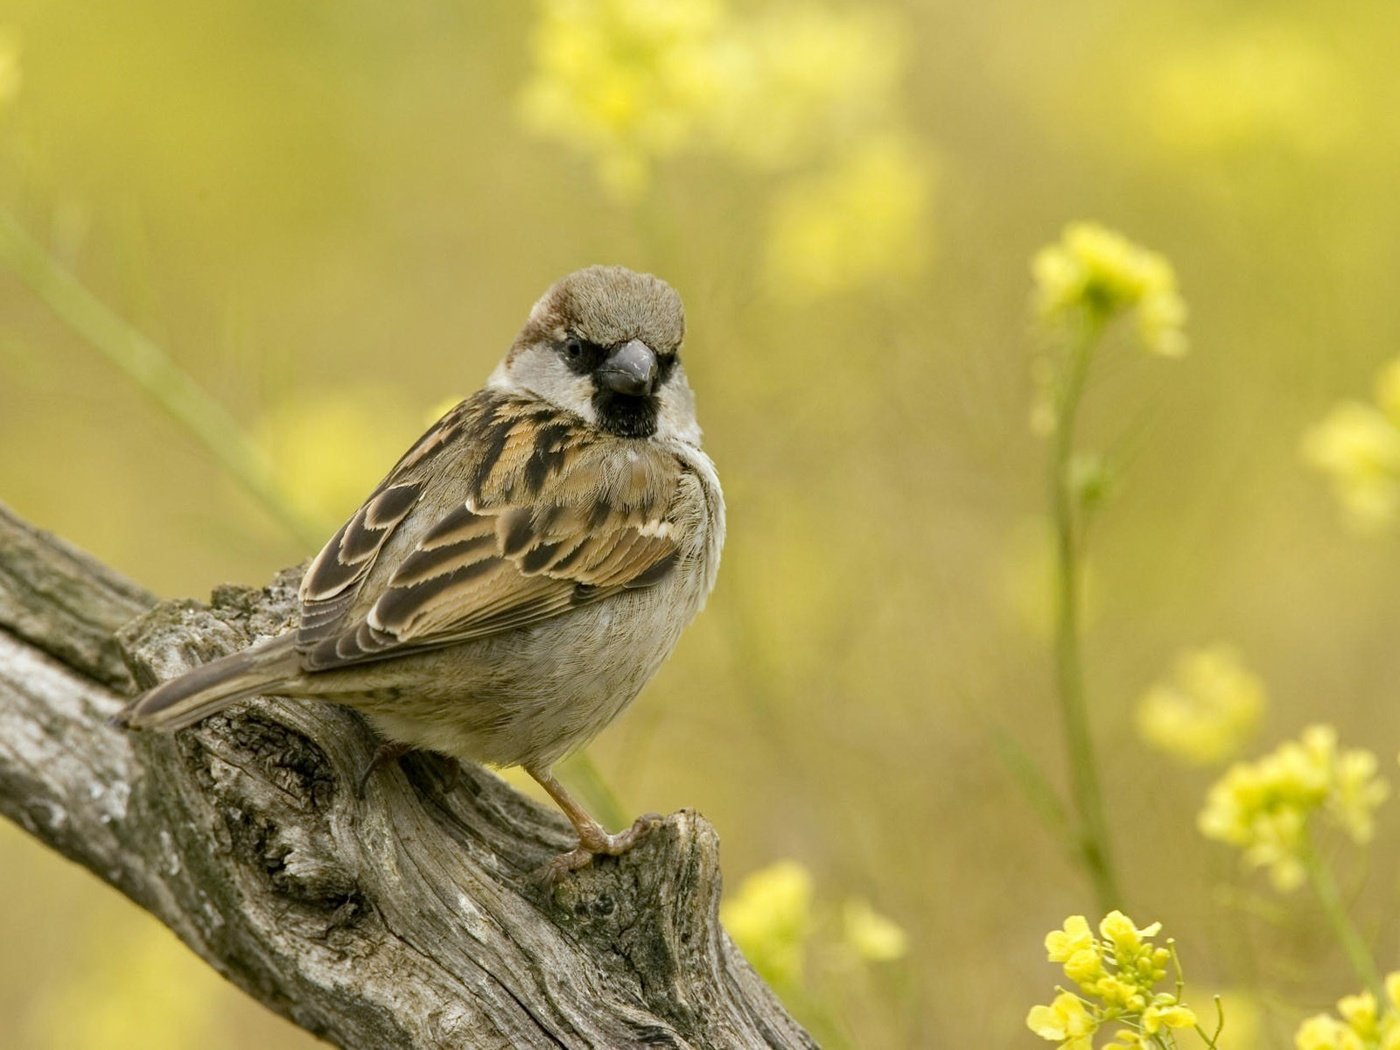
(573, 348)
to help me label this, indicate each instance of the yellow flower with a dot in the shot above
(1126, 1039)
(1264, 806)
(1126, 937)
(770, 919)
(1066, 1020)
(1085, 968)
(1123, 995)
(1356, 794)
(1326, 1033)
(872, 935)
(1392, 991)
(1360, 1024)
(1073, 938)
(1360, 1013)
(1166, 1012)
(630, 82)
(1318, 1032)
(1359, 447)
(1098, 274)
(863, 222)
(1207, 711)
(1116, 976)
(623, 80)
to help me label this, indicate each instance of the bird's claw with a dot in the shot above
(386, 753)
(591, 846)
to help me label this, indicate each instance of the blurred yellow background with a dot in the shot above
(335, 216)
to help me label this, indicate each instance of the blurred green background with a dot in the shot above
(335, 216)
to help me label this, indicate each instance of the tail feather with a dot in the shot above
(211, 687)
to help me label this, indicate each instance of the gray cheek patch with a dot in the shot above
(675, 417)
(539, 371)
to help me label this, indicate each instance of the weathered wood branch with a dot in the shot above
(407, 919)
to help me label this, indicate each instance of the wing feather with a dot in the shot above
(541, 516)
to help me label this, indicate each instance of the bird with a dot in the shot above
(524, 569)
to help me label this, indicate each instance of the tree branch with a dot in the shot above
(404, 920)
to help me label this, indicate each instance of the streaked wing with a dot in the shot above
(332, 584)
(547, 517)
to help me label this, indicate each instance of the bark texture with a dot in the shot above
(406, 919)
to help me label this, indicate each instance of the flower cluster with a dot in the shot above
(1208, 709)
(1094, 274)
(623, 80)
(772, 920)
(803, 92)
(1264, 807)
(1116, 973)
(1358, 445)
(633, 81)
(1361, 1024)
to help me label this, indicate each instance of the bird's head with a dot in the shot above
(604, 343)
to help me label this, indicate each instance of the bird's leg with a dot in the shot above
(385, 753)
(592, 838)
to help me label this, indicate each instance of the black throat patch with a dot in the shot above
(625, 416)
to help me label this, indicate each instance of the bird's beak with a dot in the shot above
(630, 369)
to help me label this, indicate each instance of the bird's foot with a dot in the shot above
(593, 842)
(384, 754)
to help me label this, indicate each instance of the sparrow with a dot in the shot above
(526, 566)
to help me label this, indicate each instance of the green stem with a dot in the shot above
(1033, 783)
(151, 368)
(1211, 1039)
(1329, 895)
(1094, 848)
